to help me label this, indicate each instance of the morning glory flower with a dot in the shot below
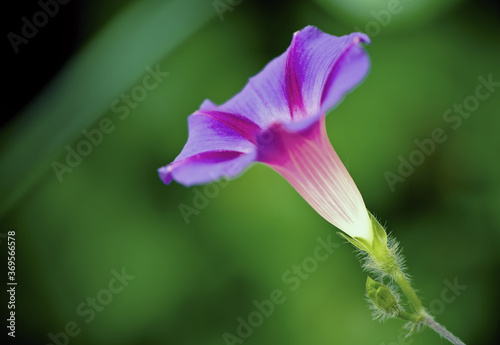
(279, 119)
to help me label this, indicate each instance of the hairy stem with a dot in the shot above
(385, 259)
(429, 321)
(417, 306)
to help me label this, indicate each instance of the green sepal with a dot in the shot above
(383, 258)
(358, 242)
(378, 243)
(379, 234)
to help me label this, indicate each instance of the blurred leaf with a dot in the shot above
(137, 37)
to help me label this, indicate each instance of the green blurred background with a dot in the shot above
(194, 280)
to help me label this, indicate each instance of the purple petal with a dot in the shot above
(292, 92)
(206, 167)
(326, 68)
(298, 87)
(264, 99)
(349, 70)
(215, 139)
(208, 133)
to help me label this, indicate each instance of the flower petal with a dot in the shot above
(217, 141)
(293, 91)
(264, 99)
(326, 68)
(349, 70)
(206, 167)
(311, 77)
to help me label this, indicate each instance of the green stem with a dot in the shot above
(421, 315)
(405, 286)
(429, 321)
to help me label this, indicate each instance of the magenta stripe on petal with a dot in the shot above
(293, 84)
(212, 164)
(238, 123)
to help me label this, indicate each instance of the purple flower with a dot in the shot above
(279, 119)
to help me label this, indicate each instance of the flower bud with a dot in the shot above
(383, 299)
